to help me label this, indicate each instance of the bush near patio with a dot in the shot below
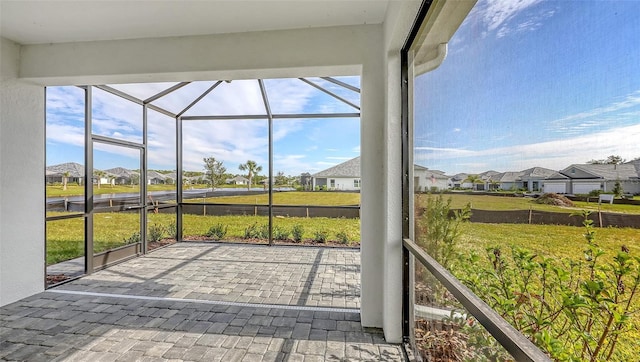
(65, 238)
(577, 301)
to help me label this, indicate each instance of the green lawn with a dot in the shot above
(75, 190)
(551, 240)
(490, 202)
(65, 238)
(321, 198)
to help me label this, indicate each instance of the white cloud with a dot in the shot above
(556, 154)
(232, 141)
(580, 121)
(500, 17)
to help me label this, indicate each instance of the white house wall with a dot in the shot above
(21, 202)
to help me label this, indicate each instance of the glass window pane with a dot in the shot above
(161, 158)
(295, 96)
(65, 130)
(161, 227)
(115, 117)
(226, 200)
(65, 249)
(525, 158)
(306, 154)
(114, 229)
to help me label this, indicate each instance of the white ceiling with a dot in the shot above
(40, 22)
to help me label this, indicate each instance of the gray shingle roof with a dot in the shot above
(625, 171)
(121, 172)
(74, 169)
(538, 172)
(350, 168)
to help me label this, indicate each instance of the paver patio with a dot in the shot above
(202, 302)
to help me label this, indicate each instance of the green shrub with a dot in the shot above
(297, 231)
(263, 231)
(320, 236)
(439, 229)
(343, 237)
(155, 233)
(217, 231)
(575, 309)
(251, 231)
(133, 239)
(172, 230)
(280, 233)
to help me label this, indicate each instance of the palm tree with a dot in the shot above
(65, 179)
(99, 175)
(475, 180)
(252, 168)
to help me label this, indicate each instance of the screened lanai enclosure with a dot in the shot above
(134, 167)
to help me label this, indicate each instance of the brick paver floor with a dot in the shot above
(202, 302)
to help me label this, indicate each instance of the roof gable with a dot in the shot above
(350, 168)
(601, 171)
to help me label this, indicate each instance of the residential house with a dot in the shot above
(123, 176)
(425, 179)
(237, 180)
(585, 178)
(55, 173)
(344, 176)
(155, 177)
(530, 179)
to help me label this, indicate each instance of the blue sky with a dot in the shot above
(533, 83)
(301, 145)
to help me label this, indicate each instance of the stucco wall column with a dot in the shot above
(21, 179)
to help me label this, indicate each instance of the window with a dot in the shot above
(487, 118)
(356, 183)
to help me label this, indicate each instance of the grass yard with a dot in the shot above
(65, 238)
(490, 202)
(551, 240)
(321, 198)
(75, 190)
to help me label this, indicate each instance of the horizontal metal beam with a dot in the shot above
(521, 348)
(317, 115)
(275, 116)
(65, 216)
(117, 142)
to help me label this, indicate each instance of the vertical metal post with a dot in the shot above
(179, 178)
(46, 224)
(142, 179)
(406, 285)
(88, 183)
(270, 177)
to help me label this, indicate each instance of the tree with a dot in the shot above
(65, 179)
(214, 171)
(617, 189)
(252, 169)
(611, 160)
(99, 175)
(281, 179)
(474, 179)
